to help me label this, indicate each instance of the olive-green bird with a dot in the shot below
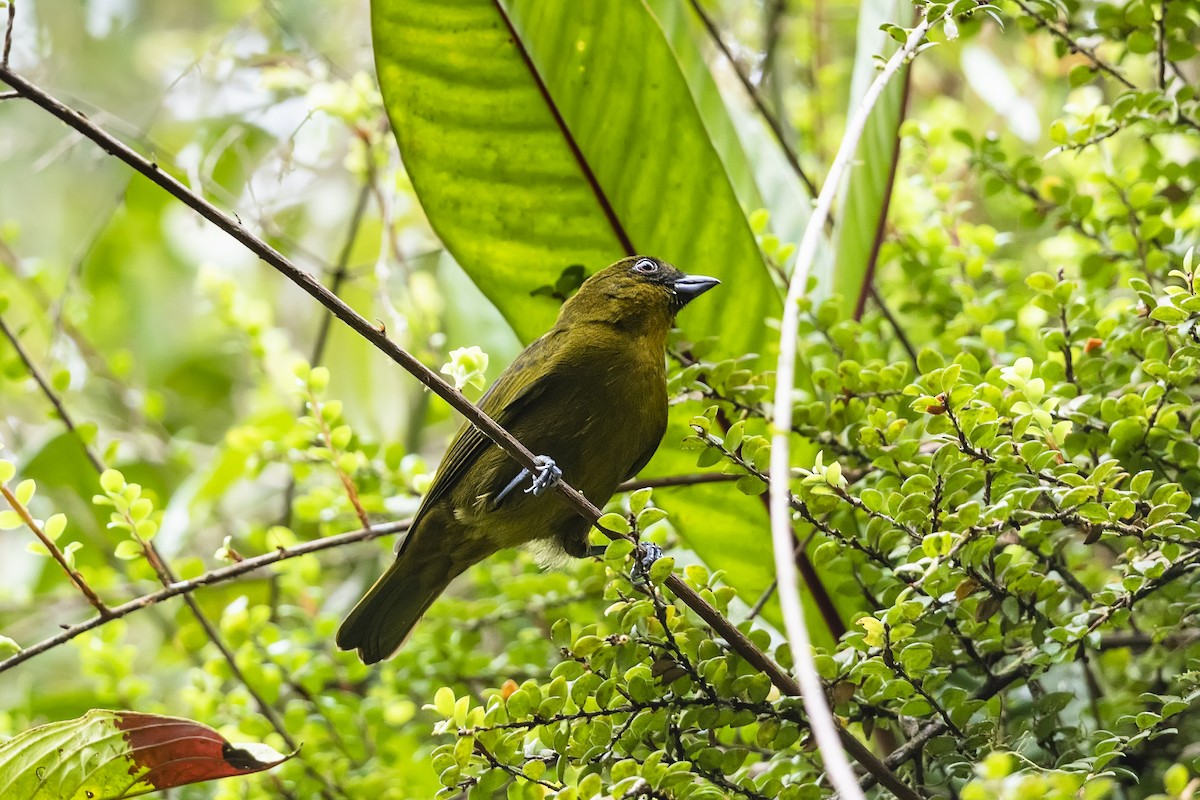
(591, 394)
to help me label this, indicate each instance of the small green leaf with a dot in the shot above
(25, 490)
(443, 701)
(661, 569)
(616, 523)
(112, 481)
(638, 499)
(1169, 314)
(318, 379)
(128, 550)
(874, 631)
(54, 526)
(618, 549)
(928, 360)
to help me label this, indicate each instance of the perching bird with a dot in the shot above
(590, 394)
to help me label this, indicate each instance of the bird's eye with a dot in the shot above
(645, 266)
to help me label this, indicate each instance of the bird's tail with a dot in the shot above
(382, 620)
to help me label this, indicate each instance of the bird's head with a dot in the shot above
(638, 291)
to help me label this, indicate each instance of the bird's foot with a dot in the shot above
(648, 553)
(548, 476)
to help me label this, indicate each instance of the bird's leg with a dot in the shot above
(514, 483)
(548, 475)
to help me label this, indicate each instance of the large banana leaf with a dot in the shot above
(683, 32)
(540, 135)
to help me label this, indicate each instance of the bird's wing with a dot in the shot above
(644, 459)
(507, 399)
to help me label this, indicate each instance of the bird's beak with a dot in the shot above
(689, 287)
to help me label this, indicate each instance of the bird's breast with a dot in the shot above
(606, 411)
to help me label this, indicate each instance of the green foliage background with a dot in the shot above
(1005, 515)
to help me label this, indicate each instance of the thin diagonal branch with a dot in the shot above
(56, 553)
(756, 98)
(899, 331)
(34, 372)
(8, 31)
(343, 260)
(207, 579)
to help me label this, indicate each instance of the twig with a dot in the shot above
(304, 45)
(899, 331)
(8, 31)
(825, 728)
(72, 573)
(677, 480)
(340, 273)
(1175, 640)
(763, 599)
(1062, 32)
(49, 393)
(756, 98)
(1074, 46)
(1068, 360)
(343, 260)
(1160, 34)
(327, 438)
(737, 640)
(212, 578)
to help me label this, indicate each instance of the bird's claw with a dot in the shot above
(547, 477)
(648, 553)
